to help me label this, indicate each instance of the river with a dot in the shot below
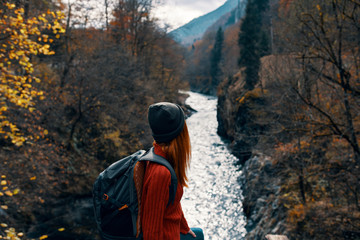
(213, 200)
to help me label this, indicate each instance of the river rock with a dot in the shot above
(276, 237)
(181, 99)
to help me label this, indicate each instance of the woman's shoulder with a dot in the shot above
(158, 171)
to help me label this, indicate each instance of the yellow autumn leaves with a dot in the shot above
(5, 190)
(46, 236)
(20, 40)
(11, 233)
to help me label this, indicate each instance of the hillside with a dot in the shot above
(291, 117)
(195, 29)
(72, 119)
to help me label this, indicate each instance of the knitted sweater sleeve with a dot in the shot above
(156, 199)
(184, 228)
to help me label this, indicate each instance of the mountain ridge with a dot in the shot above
(196, 28)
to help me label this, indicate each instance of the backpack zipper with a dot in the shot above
(123, 207)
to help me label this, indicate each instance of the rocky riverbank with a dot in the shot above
(261, 190)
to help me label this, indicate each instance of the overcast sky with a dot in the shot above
(175, 13)
(179, 12)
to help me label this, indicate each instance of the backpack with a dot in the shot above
(117, 195)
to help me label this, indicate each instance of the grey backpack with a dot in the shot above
(117, 195)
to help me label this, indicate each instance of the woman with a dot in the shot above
(160, 220)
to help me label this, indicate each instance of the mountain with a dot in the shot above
(196, 28)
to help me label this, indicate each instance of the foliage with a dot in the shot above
(129, 25)
(134, 69)
(319, 192)
(21, 39)
(254, 94)
(320, 82)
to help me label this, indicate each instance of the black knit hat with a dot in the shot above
(166, 121)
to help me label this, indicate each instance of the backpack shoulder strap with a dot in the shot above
(152, 157)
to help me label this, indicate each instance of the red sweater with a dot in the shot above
(159, 220)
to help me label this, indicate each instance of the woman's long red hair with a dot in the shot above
(178, 153)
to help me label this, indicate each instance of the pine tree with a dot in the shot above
(215, 58)
(253, 41)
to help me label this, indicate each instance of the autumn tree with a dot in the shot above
(131, 16)
(20, 40)
(34, 7)
(330, 62)
(100, 70)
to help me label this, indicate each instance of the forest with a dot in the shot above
(74, 98)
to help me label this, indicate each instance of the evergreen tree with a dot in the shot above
(253, 41)
(215, 58)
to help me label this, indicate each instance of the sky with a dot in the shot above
(175, 13)
(179, 12)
